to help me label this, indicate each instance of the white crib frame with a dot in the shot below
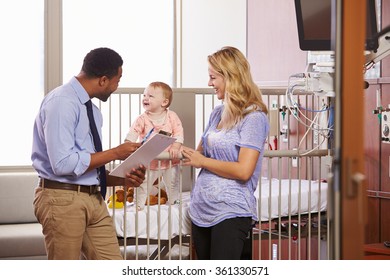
(194, 107)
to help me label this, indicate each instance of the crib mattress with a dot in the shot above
(154, 222)
(278, 198)
(281, 198)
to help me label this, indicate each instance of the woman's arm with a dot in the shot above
(239, 170)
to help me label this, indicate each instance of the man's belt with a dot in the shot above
(55, 185)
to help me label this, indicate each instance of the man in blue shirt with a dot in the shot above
(68, 202)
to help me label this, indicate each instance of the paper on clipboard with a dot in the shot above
(154, 146)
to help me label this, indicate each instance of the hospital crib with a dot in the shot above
(292, 192)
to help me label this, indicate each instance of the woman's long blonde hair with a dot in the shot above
(242, 95)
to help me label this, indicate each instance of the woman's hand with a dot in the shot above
(192, 158)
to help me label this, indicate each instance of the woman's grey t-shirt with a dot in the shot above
(215, 198)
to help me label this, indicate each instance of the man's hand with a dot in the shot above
(126, 149)
(135, 177)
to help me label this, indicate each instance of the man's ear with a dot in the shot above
(103, 80)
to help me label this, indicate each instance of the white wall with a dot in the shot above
(218, 23)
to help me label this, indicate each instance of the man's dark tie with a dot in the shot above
(98, 147)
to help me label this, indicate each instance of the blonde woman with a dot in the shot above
(230, 153)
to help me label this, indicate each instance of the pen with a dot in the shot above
(147, 136)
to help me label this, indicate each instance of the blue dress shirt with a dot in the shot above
(62, 140)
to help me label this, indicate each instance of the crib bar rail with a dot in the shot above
(295, 152)
(160, 231)
(301, 231)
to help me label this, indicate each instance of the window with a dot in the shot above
(158, 40)
(140, 31)
(169, 42)
(22, 74)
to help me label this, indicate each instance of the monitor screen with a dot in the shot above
(314, 20)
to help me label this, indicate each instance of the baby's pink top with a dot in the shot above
(143, 124)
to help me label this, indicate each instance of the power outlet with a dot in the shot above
(386, 127)
(315, 135)
(294, 160)
(274, 251)
(285, 133)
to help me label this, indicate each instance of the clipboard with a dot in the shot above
(154, 146)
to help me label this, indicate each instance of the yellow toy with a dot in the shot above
(119, 200)
(116, 200)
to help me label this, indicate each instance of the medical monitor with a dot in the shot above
(314, 22)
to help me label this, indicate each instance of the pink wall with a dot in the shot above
(273, 47)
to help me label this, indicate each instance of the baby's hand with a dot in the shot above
(174, 150)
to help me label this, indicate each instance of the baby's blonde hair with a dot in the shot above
(166, 89)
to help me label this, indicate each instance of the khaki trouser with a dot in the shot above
(75, 225)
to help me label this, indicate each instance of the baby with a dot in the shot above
(156, 100)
